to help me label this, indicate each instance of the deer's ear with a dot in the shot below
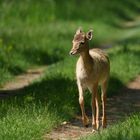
(79, 30)
(89, 34)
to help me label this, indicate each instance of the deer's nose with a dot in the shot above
(71, 52)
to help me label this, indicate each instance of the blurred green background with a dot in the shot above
(35, 33)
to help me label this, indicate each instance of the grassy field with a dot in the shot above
(36, 33)
(42, 32)
(127, 130)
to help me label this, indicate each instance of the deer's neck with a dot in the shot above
(86, 59)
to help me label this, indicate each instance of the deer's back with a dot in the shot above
(101, 62)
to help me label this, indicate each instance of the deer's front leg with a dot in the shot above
(81, 102)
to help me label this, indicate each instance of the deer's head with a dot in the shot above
(80, 41)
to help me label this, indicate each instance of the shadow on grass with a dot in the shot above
(60, 95)
(107, 10)
(132, 40)
(16, 65)
(114, 86)
(56, 92)
(41, 57)
(16, 58)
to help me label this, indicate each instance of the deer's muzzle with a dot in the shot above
(73, 52)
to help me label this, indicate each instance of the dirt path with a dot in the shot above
(21, 81)
(118, 107)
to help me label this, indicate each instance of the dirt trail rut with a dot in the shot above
(21, 81)
(118, 107)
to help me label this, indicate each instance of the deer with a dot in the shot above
(92, 70)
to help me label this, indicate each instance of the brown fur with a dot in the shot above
(92, 69)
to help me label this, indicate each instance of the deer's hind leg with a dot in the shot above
(95, 108)
(103, 97)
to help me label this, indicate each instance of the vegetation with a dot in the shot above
(34, 33)
(127, 130)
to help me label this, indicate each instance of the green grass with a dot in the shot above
(124, 66)
(35, 33)
(26, 123)
(53, 99)
(126, 130)
(38, 109)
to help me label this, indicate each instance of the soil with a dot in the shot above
(118, 107)
(21, 81)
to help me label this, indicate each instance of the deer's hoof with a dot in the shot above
(85, 121)
(94, 131)
(87, 125)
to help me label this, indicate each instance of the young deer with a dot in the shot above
(92, 69)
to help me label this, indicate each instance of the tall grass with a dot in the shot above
(34, 33)
(53, 99)
(38, 108)
(127, 130)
